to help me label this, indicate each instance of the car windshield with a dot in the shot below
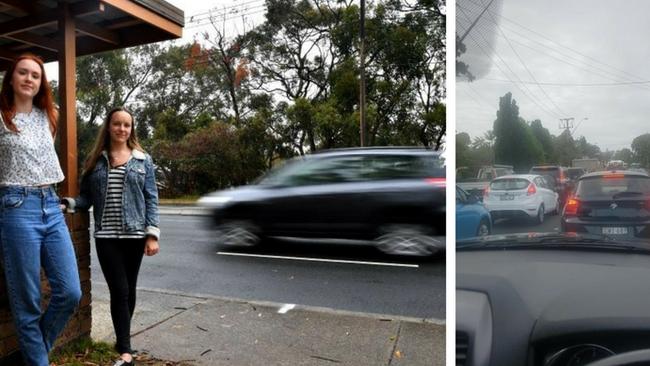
(540, 89)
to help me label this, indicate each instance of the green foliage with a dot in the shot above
(220, 111)
(515, 144)
(641, 149)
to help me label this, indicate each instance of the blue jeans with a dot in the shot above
(33, 234)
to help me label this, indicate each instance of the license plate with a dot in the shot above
(614, 231)
(507, 197)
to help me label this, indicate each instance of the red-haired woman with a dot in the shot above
(33, 233)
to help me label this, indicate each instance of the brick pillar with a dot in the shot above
(79, 324)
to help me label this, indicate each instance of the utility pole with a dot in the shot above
(567, 124)
(362, 76)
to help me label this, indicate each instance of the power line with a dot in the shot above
(602, 72)
(226, 19)
(634, 77)
(223, 9)
(212, 16)
(526, 67)
(577, 84)
(531, 96)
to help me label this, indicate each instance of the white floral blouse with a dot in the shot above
(28, 158)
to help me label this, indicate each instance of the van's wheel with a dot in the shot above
(238, 234)
(404, 239)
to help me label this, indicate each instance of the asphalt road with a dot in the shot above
(509, 226)
(341, 277)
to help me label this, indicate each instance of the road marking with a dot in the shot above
(285, 308)
(320, 260)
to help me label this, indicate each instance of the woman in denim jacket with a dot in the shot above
(33, 233)
(118, 180)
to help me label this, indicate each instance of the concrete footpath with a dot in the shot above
(205, 330)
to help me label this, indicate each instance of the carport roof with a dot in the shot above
(100, 25)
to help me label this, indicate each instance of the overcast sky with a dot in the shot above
(239, 15)
(560, 59)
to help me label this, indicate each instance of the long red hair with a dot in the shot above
(43, 99)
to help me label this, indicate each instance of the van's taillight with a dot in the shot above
(531, 189)
(441, 182)
(571, 207)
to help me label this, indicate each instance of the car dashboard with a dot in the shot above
(550, 307)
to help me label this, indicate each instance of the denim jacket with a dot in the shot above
(139, 199)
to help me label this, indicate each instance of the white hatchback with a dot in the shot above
(518, 195)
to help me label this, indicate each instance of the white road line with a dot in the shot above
(320, 260)
(285, 308)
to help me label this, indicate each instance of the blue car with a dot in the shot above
(472, 218)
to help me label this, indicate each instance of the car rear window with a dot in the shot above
(608, 186)
(555, 172)
(509, 184)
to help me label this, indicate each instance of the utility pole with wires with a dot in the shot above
(567, 124)
(362, 76)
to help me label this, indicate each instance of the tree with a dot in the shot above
(641, 149)
(624, 154)
(565, 148)
(463, 149)
(585, 149)
(545, 140)
(514, 143)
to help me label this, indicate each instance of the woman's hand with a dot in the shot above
(151, 246)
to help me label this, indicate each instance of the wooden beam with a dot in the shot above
(97, 32)
(35, 40)
(26, 23)
(67, 111)
(24, 6)
(48, 17)
(147, 16)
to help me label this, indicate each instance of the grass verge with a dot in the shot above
(86, 352)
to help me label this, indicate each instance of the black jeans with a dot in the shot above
(120, 260)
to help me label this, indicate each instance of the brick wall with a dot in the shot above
(79, 324)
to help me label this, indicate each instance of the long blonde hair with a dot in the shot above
(103, 140)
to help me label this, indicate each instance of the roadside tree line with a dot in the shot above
(522, 144)
(222, 110)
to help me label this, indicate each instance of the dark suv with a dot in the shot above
(393, 198)
(559, 179)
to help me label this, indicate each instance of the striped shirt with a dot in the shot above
(113, 220)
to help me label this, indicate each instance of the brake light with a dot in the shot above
(571, 207)
(440, 182)
(614, 176)
(486, 192)
(531, 189)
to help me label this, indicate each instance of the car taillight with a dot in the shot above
(571, 207)
(614, 176)
(486, 192)
(440, 182)
(531, 189)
